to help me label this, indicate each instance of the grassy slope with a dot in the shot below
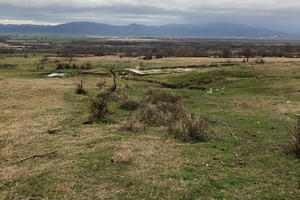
(252, 102)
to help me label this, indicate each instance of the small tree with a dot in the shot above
(111, 68)
(247, 53)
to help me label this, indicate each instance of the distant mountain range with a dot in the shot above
(188, 30)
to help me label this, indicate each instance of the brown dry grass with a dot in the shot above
(124, 154)
(182, 60)
(28, 108)
(3, 45)
(25, 115)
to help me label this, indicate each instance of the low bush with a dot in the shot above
(132, 123)
(80, 90)
(190, 128)
(67, 66)
(86, 66)
(129, 104)
(176, 110)
(7, 66)
(99, 108)
(155, 96)
(152, 115)
(106, 95)
(160, 114)
(59, 66)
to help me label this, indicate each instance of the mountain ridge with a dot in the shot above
(215, 29)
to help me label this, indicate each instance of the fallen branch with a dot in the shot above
(48, 155)
(224, 124)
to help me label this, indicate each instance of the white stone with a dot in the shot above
(55, 75)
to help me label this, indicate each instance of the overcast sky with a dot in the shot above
(273, 14)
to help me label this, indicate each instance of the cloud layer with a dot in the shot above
(275, 14)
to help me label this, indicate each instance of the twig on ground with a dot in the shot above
(48, 155)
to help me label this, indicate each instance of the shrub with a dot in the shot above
(74, 66)
(132, 123)
(190, 128)
(294, 146)
(160, 114)
(176, 110)
(155, 96)
(106, 95)
(152, 115)
(80, 90)
(130, 104)
(98, 108)
(87, 66)
(7, 66)
(67, 66)
(59, 66)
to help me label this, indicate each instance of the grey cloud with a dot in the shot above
(284, 14)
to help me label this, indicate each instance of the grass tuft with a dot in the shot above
(132, 123)
(294, 146)
(190, 128)
(156, 95)
(129, 104)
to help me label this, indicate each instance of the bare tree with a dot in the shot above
(247, 53)
(111, 68)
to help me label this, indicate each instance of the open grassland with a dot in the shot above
(46, 152)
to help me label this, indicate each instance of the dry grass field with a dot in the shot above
(47, 152)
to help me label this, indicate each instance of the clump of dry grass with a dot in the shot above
(129, 104)
(189, 128)
(294, 146)
(165, 109)
(132, 123)
(161, 108)
(124, 156)
(160, 114)
(155, 96)
(80, 89)
(106, 95)
(152, 115)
